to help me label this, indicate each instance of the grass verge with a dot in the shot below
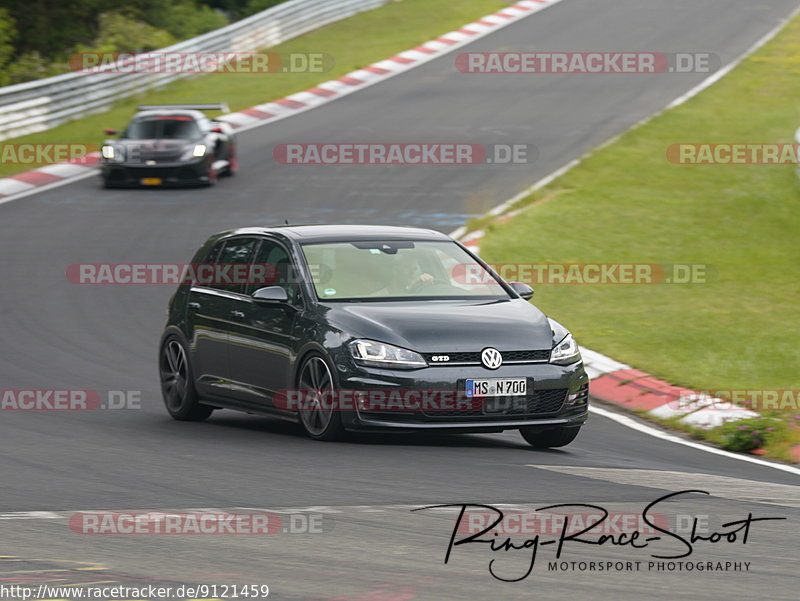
(626, 203)
(353, 43)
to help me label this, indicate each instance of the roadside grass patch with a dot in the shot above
(626, 203)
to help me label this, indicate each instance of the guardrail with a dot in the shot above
(42, 104)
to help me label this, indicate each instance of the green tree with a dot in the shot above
(32, 65)
(7, 33)
(187, 19)
(255, 6)
(121, 32)
(51, 27)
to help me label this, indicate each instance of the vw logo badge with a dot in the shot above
(491, 358)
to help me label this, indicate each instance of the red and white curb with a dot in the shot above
(23, 184)
(635, 390)
(28, 181)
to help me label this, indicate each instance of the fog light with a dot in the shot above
(579, 397)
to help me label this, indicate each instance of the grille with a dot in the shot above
(582, 395)
(475, 358)
(543, 355)
(546, 401)
(540, 402)
(150, 171)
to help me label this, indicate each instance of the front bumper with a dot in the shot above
(557, 396)
(126, 175)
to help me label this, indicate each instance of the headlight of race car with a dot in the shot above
(112, 153)
(194, 152)
(378, 354)
(565, 350)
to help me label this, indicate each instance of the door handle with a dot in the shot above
(194, 306)
(237, 314)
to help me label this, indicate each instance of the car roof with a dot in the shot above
(342, 233)
(169, 113)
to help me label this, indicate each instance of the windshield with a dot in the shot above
(398, 270)
(162, 128)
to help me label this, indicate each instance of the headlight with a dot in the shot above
(565, 352)
(379, 354)
(199, 150)
(109, 152)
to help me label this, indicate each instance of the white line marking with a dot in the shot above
(726, 487)
(504, 206)
(37, 189)
(709, 81)
(645, 429)
(66, 170)
(9, 185)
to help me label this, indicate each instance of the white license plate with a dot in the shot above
(497, 387)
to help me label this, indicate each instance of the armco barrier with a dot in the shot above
(42, 104)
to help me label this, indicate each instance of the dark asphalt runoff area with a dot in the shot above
(371, 546)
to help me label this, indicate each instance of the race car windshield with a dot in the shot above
(173, 129)
(398, 270)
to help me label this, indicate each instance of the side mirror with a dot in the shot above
(110, 132)
(217, 129)
(523, 290)
(271, 295)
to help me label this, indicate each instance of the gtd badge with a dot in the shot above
(491, 358)
(440, 358)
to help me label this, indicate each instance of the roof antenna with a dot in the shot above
(286, 222)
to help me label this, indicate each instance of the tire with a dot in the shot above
(547, 439)
(319, 423)
(177, 383)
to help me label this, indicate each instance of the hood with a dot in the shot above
(446, 326)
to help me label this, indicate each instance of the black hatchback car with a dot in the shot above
(366, 328)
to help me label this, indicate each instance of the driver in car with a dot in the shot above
(409, 278)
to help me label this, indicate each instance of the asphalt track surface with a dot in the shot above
(372, 548)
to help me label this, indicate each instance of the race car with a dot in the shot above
(169, 145)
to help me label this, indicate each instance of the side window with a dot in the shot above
(273, 267)
(202, 272)
(232, 265)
